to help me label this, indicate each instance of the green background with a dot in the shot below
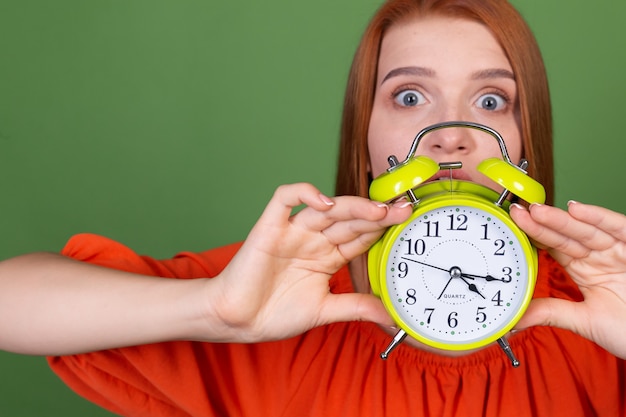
(166, 125)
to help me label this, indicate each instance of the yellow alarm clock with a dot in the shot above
(459, 273)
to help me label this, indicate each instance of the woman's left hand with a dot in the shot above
(590, 242)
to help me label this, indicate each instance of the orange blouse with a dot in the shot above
(335, 370)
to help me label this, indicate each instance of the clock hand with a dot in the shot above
(444, 288)
(425, 264)
(472, 287)
(488, 278)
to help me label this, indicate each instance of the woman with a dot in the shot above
(420, 62)
(376, 125)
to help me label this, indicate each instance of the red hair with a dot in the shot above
(518, 43)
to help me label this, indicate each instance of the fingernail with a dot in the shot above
(402, 204)
(572, 202)
(379, 204)
(327, 200)
(518, 206)
(536, 205)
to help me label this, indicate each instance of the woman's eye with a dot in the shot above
(491, 102)
(409, 98)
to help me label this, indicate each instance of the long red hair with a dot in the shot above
(518, 43)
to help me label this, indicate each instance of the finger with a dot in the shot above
(554, 228)
(287, 197)
(346, 209)
(356, 237)
(354, 307)
(583, 237)
(611, 222)
(542, 237)
(353, 248)
(346, 231)
(552, 312)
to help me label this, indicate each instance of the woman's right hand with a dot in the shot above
(277, 285)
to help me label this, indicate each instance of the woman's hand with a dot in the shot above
(277, 285)
(590, 242)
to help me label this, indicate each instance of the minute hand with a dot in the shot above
(425, 264)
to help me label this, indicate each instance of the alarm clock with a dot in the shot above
(459, 273)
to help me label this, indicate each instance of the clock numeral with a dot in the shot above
(417, 248)
(410, 296)
(404, 270)
(430, 312)
(499, 244)
(507, 274)
(481, 317)
(452, 320)
(432, 229)
(462, 222)
(497, 299)
(485, 232)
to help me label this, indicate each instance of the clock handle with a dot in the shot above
(471, 125)
(514, 180)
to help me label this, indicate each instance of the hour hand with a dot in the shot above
(472, 287)
(455, 272)
(487, 277)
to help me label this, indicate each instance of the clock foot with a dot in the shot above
(397, 339)
(504, 344)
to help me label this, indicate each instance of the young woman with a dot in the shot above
(510, 95)
(420, 62)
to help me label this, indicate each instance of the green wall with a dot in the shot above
(167, 125)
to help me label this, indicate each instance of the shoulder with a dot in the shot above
(106, 252)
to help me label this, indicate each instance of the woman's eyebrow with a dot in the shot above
(421, 71)
(492, 73)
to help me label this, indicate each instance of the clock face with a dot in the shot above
(458, 276)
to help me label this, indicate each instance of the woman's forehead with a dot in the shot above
(432, 41)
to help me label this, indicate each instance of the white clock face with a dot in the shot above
(457, 275)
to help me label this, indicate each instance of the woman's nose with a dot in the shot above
(449, 141)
